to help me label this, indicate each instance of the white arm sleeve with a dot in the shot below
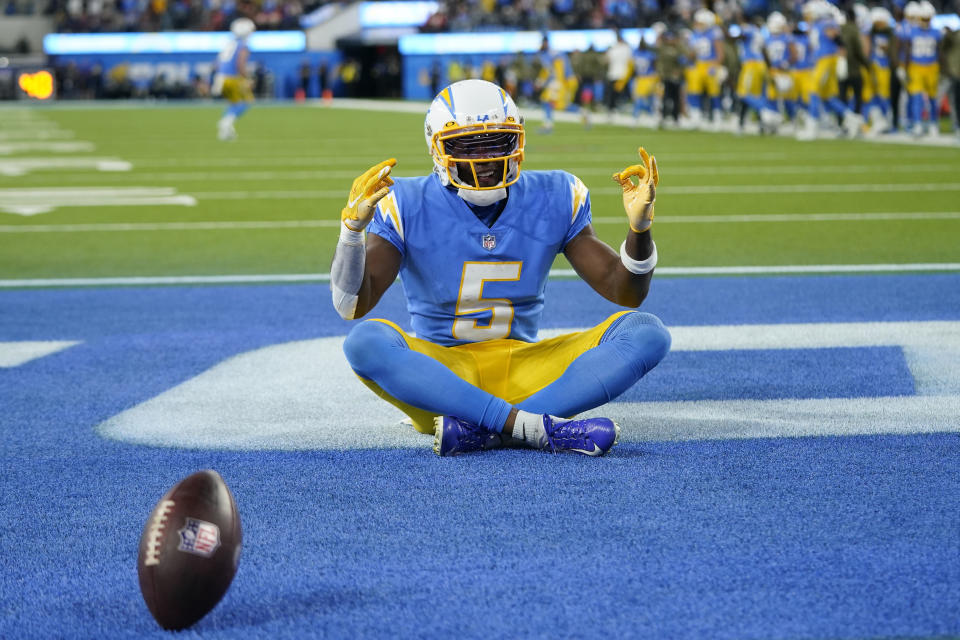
(346, 272)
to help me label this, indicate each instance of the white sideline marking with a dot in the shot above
(329, 224)
(58, 147)
(14, 354)
(303, 395)
(680, 191)
(321, 174)
(796, 188)
(22, 166)
(29, 202)
(35, 134)
(554, 273)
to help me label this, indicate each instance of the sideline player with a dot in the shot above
(922, 46)
(876, 90)
(473, 243)
(780, 86)
(557, 84)
(645, 82)
(231, 80)
(753, 73)
(705, 77)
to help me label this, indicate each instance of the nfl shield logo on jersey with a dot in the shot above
(199, 537)
(489, 241)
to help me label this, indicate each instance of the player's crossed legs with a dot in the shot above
(498, 393)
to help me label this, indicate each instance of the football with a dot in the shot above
(189, 550)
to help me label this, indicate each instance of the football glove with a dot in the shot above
(638, 198)
(366, 192)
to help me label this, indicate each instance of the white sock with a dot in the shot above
(528, 427)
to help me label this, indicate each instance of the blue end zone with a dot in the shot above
(809, 537)
(781, 373)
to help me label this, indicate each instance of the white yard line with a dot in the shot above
(556, 273)
(229, 174)
(7, 148)
(30, 202)
(239, 225)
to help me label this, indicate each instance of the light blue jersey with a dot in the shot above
(778, 50)
(821, 41)
(802, 49)
(880, 43)
(751, 44)
(704, 44)
(227, 60)
(923, 43)
(644, 63)
(465, 282)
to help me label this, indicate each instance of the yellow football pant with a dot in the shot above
(923, 78)
(237, 89)
(704, 77)
(509, 369)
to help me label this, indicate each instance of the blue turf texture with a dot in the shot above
(818, 537)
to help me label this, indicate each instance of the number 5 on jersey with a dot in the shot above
(471, 301)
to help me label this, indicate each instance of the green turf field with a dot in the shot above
(269, 202)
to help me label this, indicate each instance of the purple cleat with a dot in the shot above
(589, 436)
(453, 436)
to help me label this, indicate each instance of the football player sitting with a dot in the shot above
(473, 243)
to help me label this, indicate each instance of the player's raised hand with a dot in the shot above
(368, 188)
(638, 198)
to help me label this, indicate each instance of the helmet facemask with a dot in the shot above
(480, 157)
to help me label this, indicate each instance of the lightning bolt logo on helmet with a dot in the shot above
(474, 133)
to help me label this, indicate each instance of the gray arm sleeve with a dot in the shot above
(346, 272)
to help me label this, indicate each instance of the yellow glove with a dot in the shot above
(366, 192)
(638, 198)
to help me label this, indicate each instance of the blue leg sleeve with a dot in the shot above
(791, 108)
(815, 107)
(377, 352)
(240, 108)
(837, 106)
(693, 99)
(548, 111)
(916, 108)
(630, 348)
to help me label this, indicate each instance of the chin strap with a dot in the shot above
(482, 198)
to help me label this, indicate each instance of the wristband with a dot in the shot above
(349, 236)
(638, 267)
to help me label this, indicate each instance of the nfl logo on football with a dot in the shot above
(489, 241)
(199, 537)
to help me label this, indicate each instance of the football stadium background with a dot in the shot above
(790, 470)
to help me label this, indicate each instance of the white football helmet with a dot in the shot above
(776, 22)
(880, 15)
(911, 11)
(474, 133)
(704, 17)
(927, 11)
(242, 27)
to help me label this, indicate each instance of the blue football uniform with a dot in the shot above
(227, 60)
(466, 282)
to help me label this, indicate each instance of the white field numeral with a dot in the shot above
(471, 301)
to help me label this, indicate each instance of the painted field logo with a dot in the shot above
(199, 537)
